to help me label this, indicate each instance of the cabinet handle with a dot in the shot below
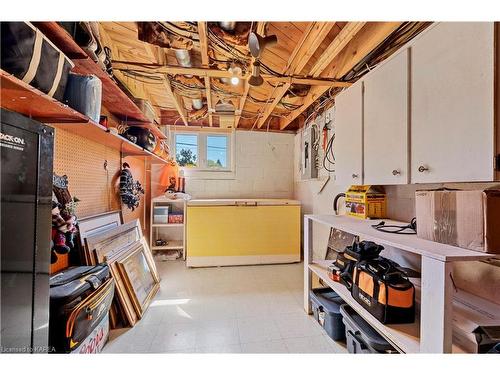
(354, 175)
(422, 169)
(396, 172)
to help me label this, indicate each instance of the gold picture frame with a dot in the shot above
(139, 277)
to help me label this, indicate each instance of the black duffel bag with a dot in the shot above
(27, 54)
(80, 298)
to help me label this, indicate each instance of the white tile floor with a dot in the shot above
(248, 309)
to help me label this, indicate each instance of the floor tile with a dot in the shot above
(312, 344)
(249, 309)
(258, 329)
(273, 346)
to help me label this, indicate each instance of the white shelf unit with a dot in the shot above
(432, 333)
(173, 233)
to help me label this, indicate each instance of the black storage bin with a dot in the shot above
(80, 298)
(495, 349)
(30, 56)
(361, 337)
(326, 309)
(84, 93)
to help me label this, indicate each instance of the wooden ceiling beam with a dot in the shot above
(177, 99)
(366, 40)
(261, 29)
(214, 73)
(305, 48)
(338, 43)
(203, 35)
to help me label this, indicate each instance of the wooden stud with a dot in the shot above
(178, 102)
(203, 35)
(310, 39)
(436, 312)
(261, 28)
(370, 36)
(308, 259)
(340, 41)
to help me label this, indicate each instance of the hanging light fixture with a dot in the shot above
(235, 74)
(255, 79)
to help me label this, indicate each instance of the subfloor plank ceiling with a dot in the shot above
(308, 65)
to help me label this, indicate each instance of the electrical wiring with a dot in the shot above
(328, 153)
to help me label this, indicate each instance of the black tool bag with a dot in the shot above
(80, 297)
(353, 253)
(30, 56)
(382, 288)
(363, 250)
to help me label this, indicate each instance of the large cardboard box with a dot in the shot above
(468, 219)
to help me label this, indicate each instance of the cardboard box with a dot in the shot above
(365, 202)
(468, 219)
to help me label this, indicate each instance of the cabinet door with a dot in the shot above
(348, 147)
(452, 124)
(385, 127)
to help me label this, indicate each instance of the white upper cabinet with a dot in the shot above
(452, 103)
(385, 129)
(348, 146)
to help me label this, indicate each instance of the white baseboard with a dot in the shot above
(213, 261)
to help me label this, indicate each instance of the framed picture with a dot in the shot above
(337, 242)
(94, 225)
(139, 278)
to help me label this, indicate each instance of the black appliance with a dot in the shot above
(26, 151)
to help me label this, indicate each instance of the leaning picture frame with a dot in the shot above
(137, 272)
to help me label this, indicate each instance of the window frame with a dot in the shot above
(202, 170)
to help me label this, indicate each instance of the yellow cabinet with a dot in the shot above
(236, 232)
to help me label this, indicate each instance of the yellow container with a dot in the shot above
(258, 232)
(366, 202)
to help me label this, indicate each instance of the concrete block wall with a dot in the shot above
(263, 169)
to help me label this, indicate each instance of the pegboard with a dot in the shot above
(83, 160)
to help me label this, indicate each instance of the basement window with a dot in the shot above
(201, 153)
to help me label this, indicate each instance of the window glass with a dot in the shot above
(217, 151)
(186, 149)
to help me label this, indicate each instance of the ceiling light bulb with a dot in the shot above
(235, 81)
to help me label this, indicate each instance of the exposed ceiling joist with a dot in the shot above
(261, 28)
(345, 36)
(214, 73)
(178, 102)
(310, 41)
(367, 39)
(203, 35)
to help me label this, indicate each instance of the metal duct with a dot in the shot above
(184, 59)
(227, 26)
(197, 103)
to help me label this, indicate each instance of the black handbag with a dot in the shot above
(30, 56)
(80, 298)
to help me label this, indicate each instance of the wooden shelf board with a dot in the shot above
(405, 337)
(113, 98)
(167, 225)
(172, 245)
(22, 98)
(407, 334)
(410, 243)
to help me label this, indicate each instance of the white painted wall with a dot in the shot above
(264, 169)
